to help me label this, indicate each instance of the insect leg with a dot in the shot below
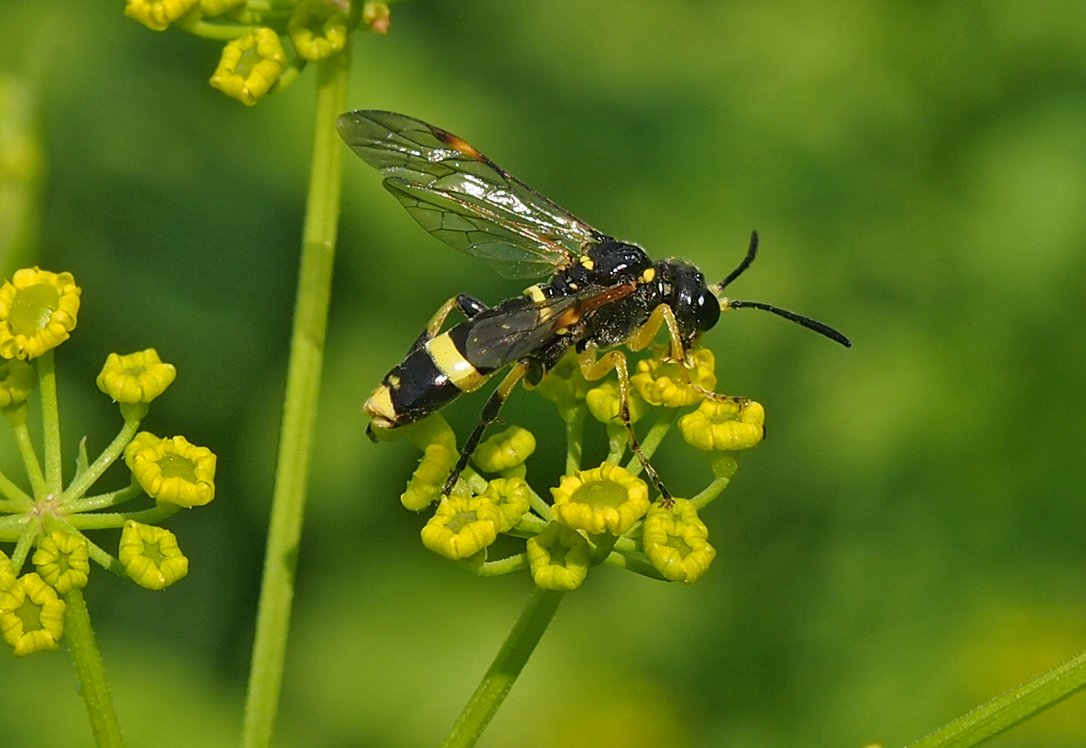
(646, 333)
(490, 412)
(469, 305)
(592, 369)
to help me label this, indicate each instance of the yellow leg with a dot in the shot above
(593, 369)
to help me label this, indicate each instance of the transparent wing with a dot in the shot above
(465, 199)
(509, 336)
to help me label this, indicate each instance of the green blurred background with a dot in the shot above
(907, 543)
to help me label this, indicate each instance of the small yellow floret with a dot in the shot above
(558, 558)
(318, 30)
(136, 377)
(31, 616)
(462, 526)
(604, 499)
(172, 470)
(151, 556)
(62, 561)
(675, 385)
(157, 15)
(675, 540)
(250, 66)
(38, 310)
(724, 425)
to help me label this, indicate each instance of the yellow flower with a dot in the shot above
(604, 499)
(724, 425)
(16, 382)
(504, 450)
(37, 311)
(172, 470)
(558, 558)
(135, 378)
(510, 495)
(31, 616)
(318, 29)
(675, 540)
(604, 403)
(157, 15)
(62, 561)
(462, 526)
(669, 384)
(250, 66)
(151, 556)
(429, 477)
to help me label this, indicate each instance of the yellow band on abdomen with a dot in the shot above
(451, 362)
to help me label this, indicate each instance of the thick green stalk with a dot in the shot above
(503, 672)
(91, 672)
(50, 418)
(1010, 708)
(299, 406)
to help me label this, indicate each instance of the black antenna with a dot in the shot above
(752, 252)
(811, 324)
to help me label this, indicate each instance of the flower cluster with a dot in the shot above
(604, 513)
(267, 44)
(46, 520)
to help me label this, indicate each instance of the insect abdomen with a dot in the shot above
(430, 377)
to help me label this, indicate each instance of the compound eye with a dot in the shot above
(706, 309)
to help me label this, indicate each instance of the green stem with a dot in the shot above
(299, 406)
(92, 675)
(106, 500)
(109, 455)
(30, 459)
(503, 672)
(1010, 708)
(710, 492)
(15, 498)
(653, 438)
(50, 419)
(503, 565)
(574, 419)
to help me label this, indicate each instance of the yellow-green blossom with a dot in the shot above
(37, 311)
(604, 499)
(675, 541)
(17, 380)
(250, 66)
(675, 385)
(157, 15)
(429, 477)
(558, 558)
(511, 495)
(724, 425)
(172, 470)
(136, 377)
(151, 556)
(62, 561)
(605, 404)
(504, 450)
(377, 17)
(318, 29)
(31, 616)
(462, 526)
